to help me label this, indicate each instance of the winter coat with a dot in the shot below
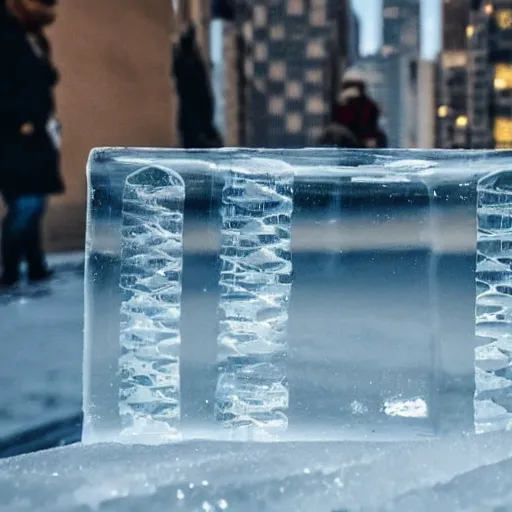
(196, 108)
(29, 164)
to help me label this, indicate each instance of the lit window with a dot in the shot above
(277, 33)
(276, 105)
(260, 16)
(260, 52)
(277, 71)
(315, 106)
(488, 8)
(470, 31)
(317, 16)
(442, 111)
(315, 50)
(461, 122)
(294, 90)
(391, 13)
(314, 77)
(293, 123)
(503, 76)
(504, 19)
(503, 130)
(295, 7)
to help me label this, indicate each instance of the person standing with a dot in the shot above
(29, 134)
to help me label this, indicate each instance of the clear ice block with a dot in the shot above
(493, 355)
(371, 334)
(256, 279)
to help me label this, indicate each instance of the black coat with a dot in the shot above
(29, 164)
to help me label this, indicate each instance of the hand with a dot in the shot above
(27, 129)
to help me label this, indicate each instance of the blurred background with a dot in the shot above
(439, 72)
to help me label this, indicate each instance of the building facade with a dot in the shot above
(490, 74)
(284, 60)
(401, 27)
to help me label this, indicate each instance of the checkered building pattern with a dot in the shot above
(289, 47)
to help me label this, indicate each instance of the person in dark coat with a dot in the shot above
(196, 108)
(29, 134)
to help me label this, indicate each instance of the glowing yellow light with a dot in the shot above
(470, 31)
(442, 111)
(461, 122)
(503, 76)
(504, 18)
(503, 130)
(488, 9)
(500, 84)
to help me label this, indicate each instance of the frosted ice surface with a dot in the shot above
(151, 268)
(493, 355)
(468, 473)
(255, 282)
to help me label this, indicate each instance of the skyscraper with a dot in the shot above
(401, 26)
(490, 74)
(452, 127)
(285, 59)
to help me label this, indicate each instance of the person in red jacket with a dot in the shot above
(357, 116)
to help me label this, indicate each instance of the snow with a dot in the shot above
(41, 363)
(469, 473)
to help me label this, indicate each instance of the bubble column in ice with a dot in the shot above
(255, 282)
(493, 355)
(151, 268)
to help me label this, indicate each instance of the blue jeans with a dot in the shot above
(21, 235)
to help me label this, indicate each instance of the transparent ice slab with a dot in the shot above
(294, 295)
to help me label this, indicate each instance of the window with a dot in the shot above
(503, 76)
(260, 52)
(317, 16)
(503, 130)
(276, 105)
(277, 33)
(315, 50)
(314, 77)
(315, 105)
(293, 123)
(277, 71)
(391, 13)
(294, 90)
(504, 19)
(295, 7)
(260, 16)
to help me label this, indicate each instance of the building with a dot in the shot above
(400, 27)
(115, 90)
(427, 80)
(490, 74)
(455, 19)
(452, 127)
(283, 63)
(392, 81)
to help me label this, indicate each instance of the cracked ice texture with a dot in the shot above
(493, 355)
(151, 268)
(256, 276)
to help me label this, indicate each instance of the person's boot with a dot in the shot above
(37, 269)
(11, 255)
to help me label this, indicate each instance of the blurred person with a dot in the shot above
(196, 106)
(356, 117)
(29, 134)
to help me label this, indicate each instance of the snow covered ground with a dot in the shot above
(467, 474)
(41, 349)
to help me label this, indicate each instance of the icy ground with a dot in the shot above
(41, 349)
(468, 474)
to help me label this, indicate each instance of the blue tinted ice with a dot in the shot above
(198, 325)
(493, 355)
